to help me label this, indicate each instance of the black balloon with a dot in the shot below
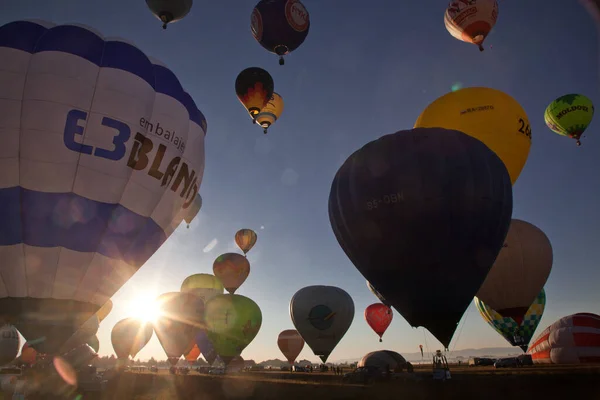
(423, 214)
(280, 26)
(254, 87)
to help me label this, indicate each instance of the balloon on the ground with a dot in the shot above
(231, 269)
(129, 336)
(322, 315)
(107, 151)
(518, 332)
(574, 339)
(569, 115)
(280, 26)
(232, 322)
(383, 360)
(379, 317)
(290, 343)
(271, 112)
(205, 286)
(471, 21)
(245, 239)
(9, 344)
(169, 11)
(519, 272)
(254, 87)
(422, 214)
(489, 115)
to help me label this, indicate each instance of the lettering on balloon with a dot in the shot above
(571, 109)
(175, 172)
(524, 128)
(386, 199)
(9, 334)
(478, 108)
(456, 7)
(296, 15)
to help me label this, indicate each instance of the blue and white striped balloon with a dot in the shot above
(101, 154)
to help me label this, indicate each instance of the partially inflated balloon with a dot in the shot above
(245, 239)
(322, 315)
(193, 210)
(517, 333)
(129, 336)
(232, 322)
(489, 115)
(422, 214)
(104, 310)
(379, 317)
(9, 344)
(205, 286)
(193, 354)
(471, 21)
(206, 347)
(290, 343)
(519, 272)
(232, 269)
(569, 115)
(254, 87)
(181, 318)
(280, 26)
(94, 343)
(95, 187)
(271, 112)
(169, 11)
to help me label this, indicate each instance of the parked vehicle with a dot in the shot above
(508, 362)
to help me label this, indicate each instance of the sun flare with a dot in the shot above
(144, 307)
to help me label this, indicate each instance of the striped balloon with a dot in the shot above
(516, 334)
(245, 239)
(574, 339)
(471, 21)
(102, 153)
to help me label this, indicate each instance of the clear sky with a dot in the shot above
(364, 71)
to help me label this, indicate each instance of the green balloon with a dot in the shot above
(569, 115)
(94, 343)
(232, 322)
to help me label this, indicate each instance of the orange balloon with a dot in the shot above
(232, 269)
(28, 354)
(193, 354)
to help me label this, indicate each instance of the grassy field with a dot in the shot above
(549, 382)
(481, 383)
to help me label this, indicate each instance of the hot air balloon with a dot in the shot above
(85, 208)
(574, 339)
(245, 239)
(180, 320)
(94, 343)
(322, 315)
(384, 360)
(104, 310)
(291, 344)
(379, 317)
(79, 356)
(193, 354)
(271, 112)
(471, 21)
(206, 347)
(232, 269)
(477, 109)
(205, 286)
(570, 115)
(519, 272)
(9, 344)
(129, 336)
(169, 11)
(28, 354)
(377, 294)
(193, 210)
(254, 87)
(232, 322)
(89, 328)
(516, 332)
(422, 214)
(280, 26)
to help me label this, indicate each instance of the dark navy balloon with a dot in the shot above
(280, 26)
(422, 214)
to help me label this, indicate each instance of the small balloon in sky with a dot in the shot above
(262, 227)
(457, 86)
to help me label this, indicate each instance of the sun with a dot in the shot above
(144, 307)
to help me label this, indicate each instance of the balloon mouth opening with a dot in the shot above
(253, 111)
(281, 50)
(478, 39)
(265, 124)
(165, 17)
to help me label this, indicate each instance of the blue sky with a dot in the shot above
(363, 72)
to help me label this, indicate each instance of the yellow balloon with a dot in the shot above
(271, 112)
(486, 114)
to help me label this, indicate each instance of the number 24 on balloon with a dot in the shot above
(391, 198)
(524, 128)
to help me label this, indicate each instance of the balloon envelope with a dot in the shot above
(377, 294)
(569, 115)
(245, 239)
(94, 343)
(85, 208)
(424, 208)
(489, 115)
(9, 344)
(254, 87)
(205, 345)
(88, 329)
(379, 317)
(516, 332)
(104, 310)
(205, 286)
(322, 315)
(519, 272)
(471, 21)
(193, 210)
(193, 354)
(290, 343)
(232, 322)
(232, 269)
(129, 336)
(169, 11)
